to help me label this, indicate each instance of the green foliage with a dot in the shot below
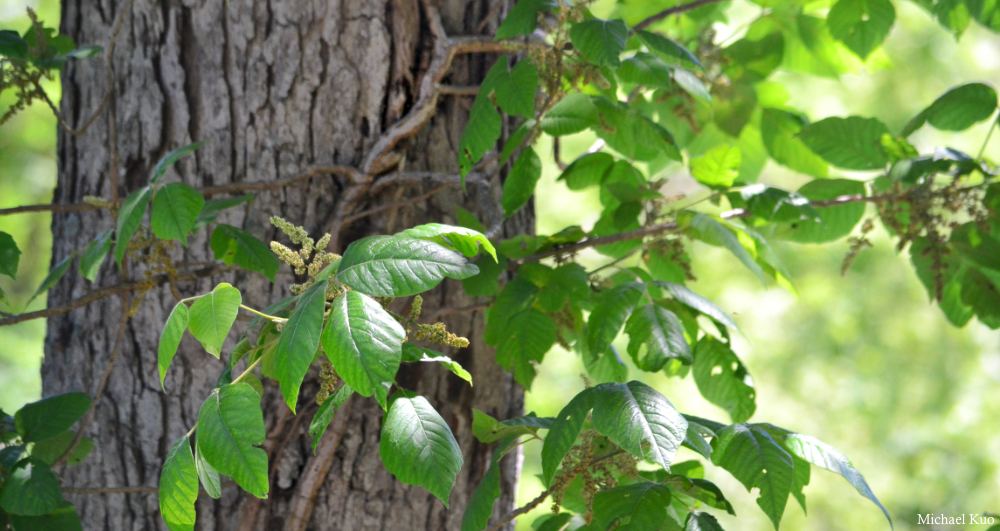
(387, 266)
(169, 159)
(54, 276)
(212, 316)
(751, 455)
(10, 255)
(600, 41)
(49, 450)
(129, 218)
(861, 24)
(176, 207)
(49, 417)
(299, 341)
(662, 333)
(179, 487)
(723, 379)
(520, 184)
(717, 168)
(235, 246)
(523, 18)
(230, 427)
(170, 339)
(639, 420)
(323, 417)
(93, 255)
(957, 110)
(30, 489)
(644, 505)
(852, 143)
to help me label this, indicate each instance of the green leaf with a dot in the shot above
(523, 19)
(780, 132)
(552, 522)
(531, 334)
(957, 110)
(632, 134)
(701, 521)
(480, 134)
(825, 456)
(234, 246)
(418, 448)
(701, 490)
(31, 489)
(93, 255)
(723, 379)
(480, 506)
(175, 210)
(413, 352)
(299, 341)
(753, 457)
(613, 308)
(457, 238)
(515, 88)
(63, 518)
(10, 255)
(486, 282)
(12, 45)
(564, 432)
(574, 113)
(660, 44)
(691, 84)
(489, 430)
(469, 220)
(326, 412)
(517, 297)
(639, 420)
(170, 338)
(800, 480)
(169, 159)
(852, 143)
(861, 24)
(696, 302)
(212, 316)
(230, 427)
(774, 204)
(207, 474)
(50, 416)
(393, 266)
(129, 218)
(717, 168)
(647, 70)
(600, 41)
(835, 221)
(54, 276)
(364, 344)
(179, 487)
(644, 504)
(589, 170)
(49, 450)
(210, 212)
(662, 333)
(712, 232)
(520, 183)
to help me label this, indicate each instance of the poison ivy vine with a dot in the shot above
(660, 94)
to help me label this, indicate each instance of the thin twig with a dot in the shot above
(458, 90)
(47, 208)
(233, 188)
(505, 519)
(391, 206)
(112, 490)
(489, 16)
(683, 8)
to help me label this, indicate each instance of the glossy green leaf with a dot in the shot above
(600, 41)
(717, 168)
(663, 334)
(299, 341)
(413, 352)
(712, 232)
(957, 110)
(208, 476)
(230, 427)
(170, 338)
(754, 458)
(129, 218)
(417, 446)
(387, 266)
(779, 130)
(179, 487)
(689, 298)
(572, 114)
(459, 238)
(774, 204)
(564, 432)
(861, 24)
(326, 413)
(10, 255)
(639, 420)
(210, 212)
(480, 134)
(723, 379)
(31, 489)
(364, 344)
(235, 246)
(93, 255)
(835, 222)
(54, 276)
(520, 183)
(176, 207)
(169, 159)
(49, 450)
(660, 44)
(701, 521)
(212, 316)
(50, 416)
(531, 335)
(613, 309)
(852, 143)
(63, 518)
(643, 504)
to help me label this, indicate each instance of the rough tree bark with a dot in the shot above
(273, 88)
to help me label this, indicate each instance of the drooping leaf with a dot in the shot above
(639, 420)
(835, 222)
(480, 134)
(564, 432)
(129, 218)
(647, 70)
(461, 239)
(779, 130)
(417, 446)
(413, 352)
(326, 412)
(723, 379)
(691, 84)
(712, 232)
(800, 480)
(645, 504)
(393, 266)
(633, 135)
(50, 416)
(600, 41)
(572, 114)
(49, 450)
(31, 489)
(480, 506)
(93, 255)
(63, 518)
(700, 489)
(230, 427)
(957, 110)
(169, 159)
(717, 168)
(520, 183)
(531, 335)
(696, 302)
(861, 24)
(665, 46)
(663, 334)
(852, 143)
(613, 309)
(208, 476)
(523, 19)
(210, 212)
(179, 487)
(754, 458)
(170, 338)
(54, 276)
(364, 344)
(175, 210)
(299, 341)
(10, 255)
(235, 246)
(774, 204)
(489, 430)
(701, 521)
(212, 315)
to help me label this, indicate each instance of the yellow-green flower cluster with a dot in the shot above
(436, 333)
(300, 261)
(328, 381)
(416, 307)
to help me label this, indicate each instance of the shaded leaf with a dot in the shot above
(520, 183)
(852, 143)
(93, 255)
(564, 432)
(639, 420)
(754, 458)
(522, 20)
(235, 246)
(780, 132)
(207, 475)
(600, 41)
(54, 276)
(10, 255)
(169, 159)
(413, 352)
(170, 338)
(613, 308)
(326, 412)
(665, 46)
(299, 341)
(50, 416)
(957, 110)
(572, 114)
(175, 210)
(210, 212)
(861, 24)
(723, 379)
(63, 518)
(662, 333)
(644, 504)
(31, 489)
(835, 222)
(129, 218)
(49, 450)
(230, 429)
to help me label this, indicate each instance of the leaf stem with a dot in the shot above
(986, 141)
(262, 314)
(249, 369)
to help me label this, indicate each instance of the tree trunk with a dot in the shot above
(274, 88)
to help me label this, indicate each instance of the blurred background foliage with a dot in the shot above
(861, 361)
